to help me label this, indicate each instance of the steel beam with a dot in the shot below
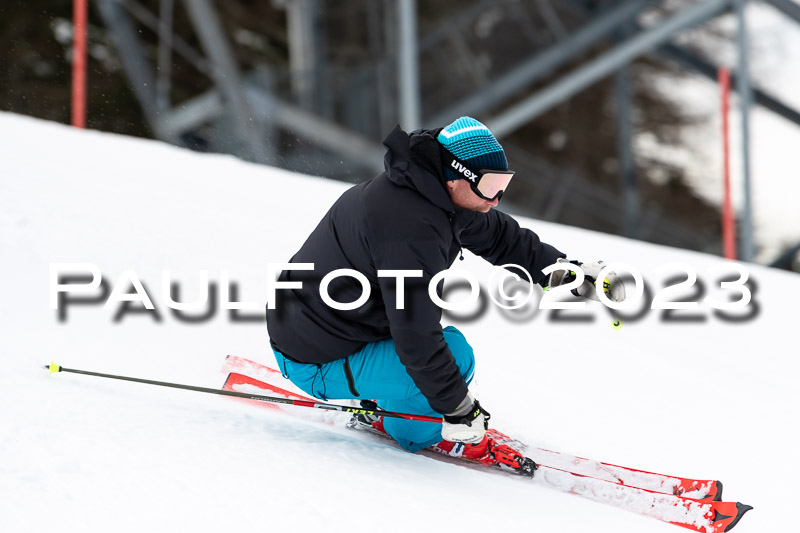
(788, 7)
(134, 61)
(786, 259)
(464, 16)
(306, 124)
(181, 47)
(691, 60)
(321, 132)
(743, 87)
(408, 65)
(226, 74)
(542, 64)
(163, 83)
(377, 36)
(551, 19)
(582, 77)
(627, 167)
(709, 70)
(303, 49)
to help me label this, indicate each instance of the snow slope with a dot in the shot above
(707, 398)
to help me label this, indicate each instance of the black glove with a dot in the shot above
(612, 285)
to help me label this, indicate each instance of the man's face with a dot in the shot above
(462, 196)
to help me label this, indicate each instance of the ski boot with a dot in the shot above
(368, 422)
(496, 449)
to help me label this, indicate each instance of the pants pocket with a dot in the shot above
(348, 375)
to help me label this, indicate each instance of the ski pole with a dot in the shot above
(53, 368)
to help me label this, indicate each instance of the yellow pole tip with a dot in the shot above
(54, 368)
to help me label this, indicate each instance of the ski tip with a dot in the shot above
(727, 515)
(53, 368)
(741, 509)
(718, 493)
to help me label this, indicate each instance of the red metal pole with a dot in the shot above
(728, 224)
(79, 18)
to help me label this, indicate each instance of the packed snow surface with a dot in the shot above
(689, 393)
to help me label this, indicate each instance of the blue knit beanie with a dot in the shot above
(473, 143)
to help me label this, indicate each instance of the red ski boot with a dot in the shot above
(496, 449)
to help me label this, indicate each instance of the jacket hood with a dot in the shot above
(414, 160)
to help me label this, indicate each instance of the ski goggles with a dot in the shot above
(487, 183)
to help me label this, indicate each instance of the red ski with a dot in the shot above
(706, 517)
(703, 490)
(689, 503)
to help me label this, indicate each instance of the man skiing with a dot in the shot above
(434, 198)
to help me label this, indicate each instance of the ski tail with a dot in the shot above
(235, 382)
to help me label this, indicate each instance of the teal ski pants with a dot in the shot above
(378, 374)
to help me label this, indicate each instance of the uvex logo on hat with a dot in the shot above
(464, 170)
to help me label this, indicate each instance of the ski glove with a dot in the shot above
(467, 423)
(612, 284)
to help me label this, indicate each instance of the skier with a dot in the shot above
(434, 198)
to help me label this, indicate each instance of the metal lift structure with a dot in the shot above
(244, 113)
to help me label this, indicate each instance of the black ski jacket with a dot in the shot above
(402, 219)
